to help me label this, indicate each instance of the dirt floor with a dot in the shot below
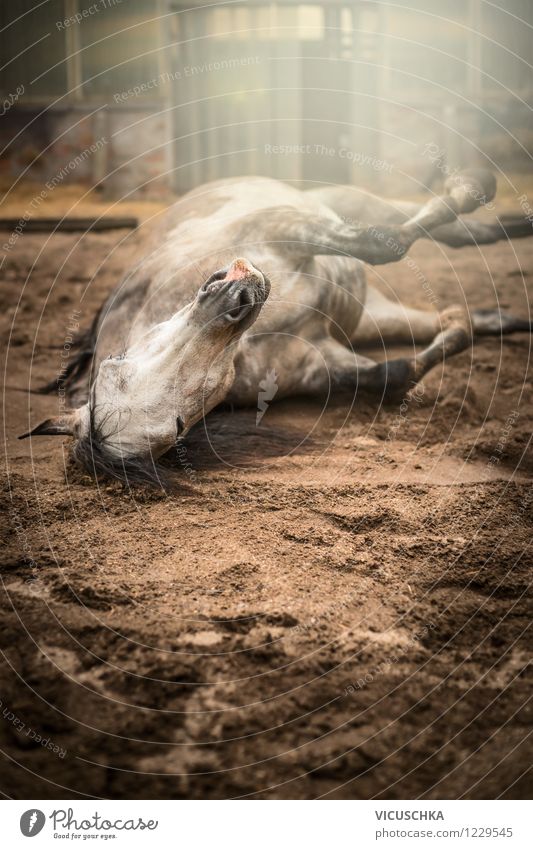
(335, 605)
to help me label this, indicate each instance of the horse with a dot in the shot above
(250, 276)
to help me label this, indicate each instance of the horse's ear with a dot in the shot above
(56, 426)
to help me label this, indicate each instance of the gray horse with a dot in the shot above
(192, 325)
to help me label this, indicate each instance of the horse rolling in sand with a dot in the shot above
(247, 277)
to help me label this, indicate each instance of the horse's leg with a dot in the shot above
(495, 323)
(303, 235)
(388, 322)
(357, 207)
(339, 368)
(460, 233)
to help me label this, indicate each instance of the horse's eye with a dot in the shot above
(180, 426)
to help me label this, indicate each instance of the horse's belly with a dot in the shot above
(280, 348)
(347, 293)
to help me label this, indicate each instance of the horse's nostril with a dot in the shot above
(243, 303)
(212, 284)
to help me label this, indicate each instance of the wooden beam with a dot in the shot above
(72, 225)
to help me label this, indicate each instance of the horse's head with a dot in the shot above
(142, 400)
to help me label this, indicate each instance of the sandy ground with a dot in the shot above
(335, 604)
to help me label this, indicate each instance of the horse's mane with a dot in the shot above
(90, 453)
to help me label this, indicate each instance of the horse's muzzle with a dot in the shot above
(233, 293)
